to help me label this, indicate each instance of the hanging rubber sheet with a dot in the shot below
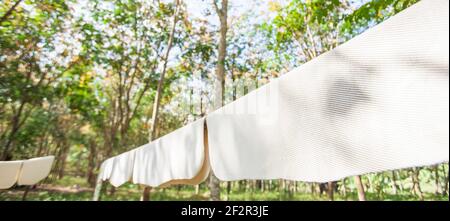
(378, 102)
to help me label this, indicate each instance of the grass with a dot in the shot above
(76, 189)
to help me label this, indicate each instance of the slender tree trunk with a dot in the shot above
(15, 122)
(360, 188)
(398, 175)
(58, 152)
(436, 180)
(158, 96)
(222, 12)
(416, 182)
(371, 189)
(112, 190)
(25, 192)
(156, 104)
(280, 188)
(290, 188)
(330, 191)
(62, 168)
(394, 183)
(313, 189)
(246, 185)
(445, 189)
(344, 188)
(178, 189)
(98, 189)
(91, 163)
(197, 189)
(264, 185)
(258, 184)
(146, 193)
(43, 141)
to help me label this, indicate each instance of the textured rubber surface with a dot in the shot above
(9, 173)
(177, 158)
(35, 170)
(378, 102)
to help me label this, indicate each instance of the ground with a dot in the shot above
(76, 189)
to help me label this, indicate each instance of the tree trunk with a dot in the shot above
(98, 189)
(63, 158)
(394, 183)
(156, 104)
(280, 188)
(360, 188)
(158, 96)
(43, 141)
(91, 163)
(258, 184)
(112, 190)
(445, 189)
(214, 187)
(248, 186)
(416, 183)
(15, 126)
(344, 188)
(330, 191)
(146, 194)
(197, 189)
(313, 189)
(222, 12)
(371, 189)
(264, 185)
(436, 180)
(25, 192)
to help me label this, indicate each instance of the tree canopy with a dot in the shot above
(78, 78)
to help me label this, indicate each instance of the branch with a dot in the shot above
(9, 12)
(219, 11)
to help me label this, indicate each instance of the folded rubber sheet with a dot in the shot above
(24, 172)
(35, 170)
(378, 102)
(9, 173)
(177, 158)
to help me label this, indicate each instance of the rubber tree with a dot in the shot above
(219, 82)
(156, 104)
(360, 188)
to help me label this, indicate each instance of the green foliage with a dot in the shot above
(75, 188)
(372, 13)
(78, 80)
(307, 29)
